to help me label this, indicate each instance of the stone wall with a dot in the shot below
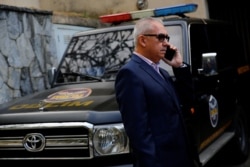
(27, 51)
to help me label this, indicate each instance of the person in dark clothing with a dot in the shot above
(148, 100)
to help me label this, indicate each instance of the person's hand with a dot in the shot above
(177, 60)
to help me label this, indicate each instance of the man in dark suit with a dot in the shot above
(148, 100)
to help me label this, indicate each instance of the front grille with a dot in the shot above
(46, 141)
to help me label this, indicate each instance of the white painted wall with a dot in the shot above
(94, 8)
(21, 3)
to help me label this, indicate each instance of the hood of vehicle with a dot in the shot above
(99, 96)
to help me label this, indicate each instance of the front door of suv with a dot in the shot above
(211, 61)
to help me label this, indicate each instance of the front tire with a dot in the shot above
(239, 145)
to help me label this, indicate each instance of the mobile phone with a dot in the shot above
(169, 53)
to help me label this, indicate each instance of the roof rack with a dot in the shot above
(179, 10)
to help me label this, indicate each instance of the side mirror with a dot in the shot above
(51, 75)
(209, 64)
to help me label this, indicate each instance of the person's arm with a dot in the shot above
(184, 86)
(183, 82)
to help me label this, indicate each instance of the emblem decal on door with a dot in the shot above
(213, 110)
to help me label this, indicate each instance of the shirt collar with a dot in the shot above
(145, 59)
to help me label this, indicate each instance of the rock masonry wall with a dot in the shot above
(27, 51)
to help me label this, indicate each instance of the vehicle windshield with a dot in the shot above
(95, 57)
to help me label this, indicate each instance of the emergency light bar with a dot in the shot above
(157, 12)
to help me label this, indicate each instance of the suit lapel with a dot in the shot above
(159, 79)
(162, 81)
(171, 87)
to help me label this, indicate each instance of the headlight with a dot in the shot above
(110, 139)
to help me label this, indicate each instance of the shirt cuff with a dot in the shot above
(183, 65)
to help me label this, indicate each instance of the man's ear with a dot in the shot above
(142, 41)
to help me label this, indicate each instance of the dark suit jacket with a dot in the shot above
(152, 115)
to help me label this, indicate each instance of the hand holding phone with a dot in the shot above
(169, 53)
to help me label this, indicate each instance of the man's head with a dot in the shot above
(151, 38)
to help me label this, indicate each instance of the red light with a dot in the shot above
(112, 18)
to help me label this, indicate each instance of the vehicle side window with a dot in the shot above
(212, 38)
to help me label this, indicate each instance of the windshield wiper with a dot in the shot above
(113, 69)
(76, 74)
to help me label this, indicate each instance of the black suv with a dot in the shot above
(78, 118)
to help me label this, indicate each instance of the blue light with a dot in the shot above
(172, 10)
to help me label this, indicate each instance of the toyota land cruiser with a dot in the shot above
(78, 118)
